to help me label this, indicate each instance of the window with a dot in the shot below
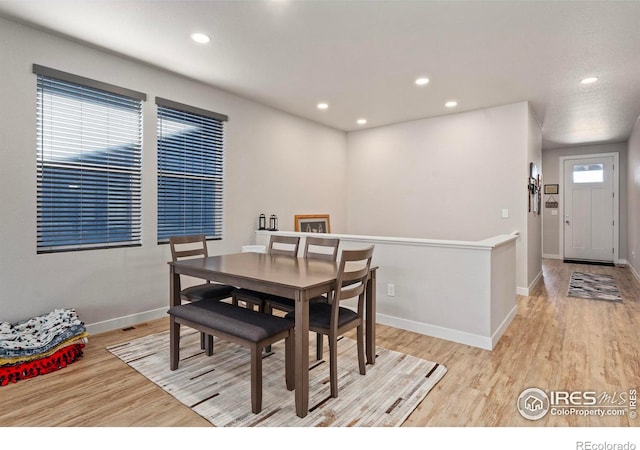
(190, 171)
(589, 173)
(89, 163)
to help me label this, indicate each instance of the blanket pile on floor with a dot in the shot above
(40, 345)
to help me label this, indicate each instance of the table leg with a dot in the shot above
(302, 354)
(370, 328)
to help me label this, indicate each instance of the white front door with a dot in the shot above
(589, 225)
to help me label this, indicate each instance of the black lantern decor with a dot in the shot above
(262, 222)
(273, 223)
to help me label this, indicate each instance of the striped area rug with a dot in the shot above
(593, 286)
(218, 387)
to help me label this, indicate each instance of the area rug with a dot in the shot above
(218, 387)
(594, 286)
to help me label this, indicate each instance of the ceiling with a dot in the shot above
(362, 57)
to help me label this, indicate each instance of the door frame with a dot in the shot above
(616, 203)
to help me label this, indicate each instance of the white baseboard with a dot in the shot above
(522, 291)
(634, 272)
(503, 326)
(525, 291)
(535, 280)
(461, 337)
(550, 256)
(126, 321)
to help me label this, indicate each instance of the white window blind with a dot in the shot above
(190, 171)
(89, 168)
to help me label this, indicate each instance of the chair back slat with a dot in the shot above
(284, 245)
(188, 246)
(321, 248)
(355, 274)
(352, 291)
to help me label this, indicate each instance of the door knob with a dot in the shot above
(567, 222)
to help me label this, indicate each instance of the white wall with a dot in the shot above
(534, 220)
(633, 204)
(447, 177)
(267, 152)
(442, 178)
(550, 168)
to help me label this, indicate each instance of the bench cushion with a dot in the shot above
(234, 320)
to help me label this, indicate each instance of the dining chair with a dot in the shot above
(334, 320)
(314, 248)
(183, 247)
(278, 245)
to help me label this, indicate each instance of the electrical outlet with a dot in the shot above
(391, 290)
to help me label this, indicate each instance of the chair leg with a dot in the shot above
(174, 343)
(208, 346)
(256, 379)
(289, 361)
(319, 346)
(203, 339)
(360, 343)
(333, 365)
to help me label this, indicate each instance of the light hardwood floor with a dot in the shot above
(554, 343)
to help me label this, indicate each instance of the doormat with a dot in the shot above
(593, 263)
(593, 286)
(218, 387)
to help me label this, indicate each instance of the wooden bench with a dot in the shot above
(242, 326)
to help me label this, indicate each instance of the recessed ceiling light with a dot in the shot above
(422, 81)
(362, 121)
(589, 80)
(451, 104)
(201, 38)
(322, 105)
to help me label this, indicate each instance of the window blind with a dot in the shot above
(190, 171)
(89, 150)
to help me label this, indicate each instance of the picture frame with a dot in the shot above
(312, 223)
(551, 189)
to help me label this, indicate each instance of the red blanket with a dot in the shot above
(51, 363)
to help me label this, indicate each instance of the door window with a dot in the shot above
(588, 173)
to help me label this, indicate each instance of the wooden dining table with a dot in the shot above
(299, 279)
